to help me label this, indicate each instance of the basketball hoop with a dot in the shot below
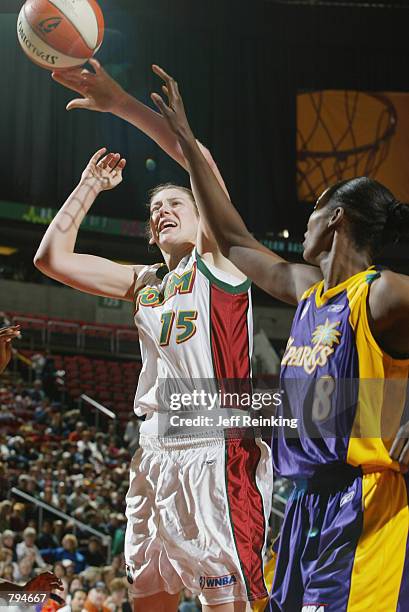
(341, 135)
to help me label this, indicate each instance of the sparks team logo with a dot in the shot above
(324, 340)
(326, 334)
(217, 582)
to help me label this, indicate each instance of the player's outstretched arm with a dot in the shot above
(55, 256)
(278, 277)
(100, 92)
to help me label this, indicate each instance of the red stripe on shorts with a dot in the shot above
(246, 511)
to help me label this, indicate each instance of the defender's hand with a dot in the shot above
(173, 112)
(105, 171)
(99, 91)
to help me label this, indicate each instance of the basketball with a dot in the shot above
(58, 34)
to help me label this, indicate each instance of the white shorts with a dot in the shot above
(198, 513)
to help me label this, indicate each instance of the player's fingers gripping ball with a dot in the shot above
(58, 34)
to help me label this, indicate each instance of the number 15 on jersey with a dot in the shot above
(185, 324)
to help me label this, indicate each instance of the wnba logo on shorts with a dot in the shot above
(217, 582)
(314, 608)
(48, 25)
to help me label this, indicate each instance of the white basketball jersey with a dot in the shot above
(196, 324)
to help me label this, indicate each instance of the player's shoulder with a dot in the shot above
(389, 292)
(387, 280)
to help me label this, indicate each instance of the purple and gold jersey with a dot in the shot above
(335, 380)
(344, 542)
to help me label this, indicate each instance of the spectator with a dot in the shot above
(7, 572)
(17, 517)
(49, 497)
(38, 363)
(78, 498)
(37, 394)
(117, 601)
(91, 575)
(96, 598)
(6, 558)
(75, 435)
(49, 378)
(59, 570)
(68, 550)
(23, 570)
(8, 539)
(5, 512)
(58, 529)
(118, 539)
(46, 539)
(131, 435)
(77, 602)
(115, 570)
(69, 568)
(93, 554)
(28, 546)
(76, 583)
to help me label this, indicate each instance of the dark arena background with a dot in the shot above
(289, 97)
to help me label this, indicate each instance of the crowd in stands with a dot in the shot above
(48, 451)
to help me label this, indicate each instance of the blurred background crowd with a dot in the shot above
(81, 475)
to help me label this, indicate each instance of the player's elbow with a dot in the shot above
(43, 262)
(40, 260)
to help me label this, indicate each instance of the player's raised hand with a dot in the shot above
(174, 111)
(7, 334)
(400, 448)
(99, 91)
(106, 170)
